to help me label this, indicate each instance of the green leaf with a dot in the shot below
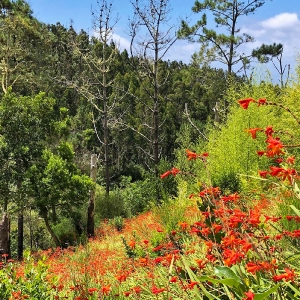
(296, 291)
(228, 281)
(297, 211)
(227, 273)
(194, 277)
(267, 293)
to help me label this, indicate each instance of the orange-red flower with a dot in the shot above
(253, 131)
(263, 174)
(92, 290)
(191, 155)
(245, 102)
(174, 171)
(249, 295)
(231, 198)
(131, 244)
(291, 160)
(106, 289)
(136, 289)
(232, 257)
(262, 101)
(289, 275)
(275, 147)
(166, 174)
(252, 267)
(269, 131)
(155, 290)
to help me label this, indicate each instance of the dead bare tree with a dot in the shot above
(96, 85)
(151, 19)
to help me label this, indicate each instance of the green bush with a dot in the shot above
(66, 233)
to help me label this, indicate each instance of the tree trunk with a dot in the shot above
(20, 235)
(4, 235)
(105, 120)
(91, 207)
(53, 235)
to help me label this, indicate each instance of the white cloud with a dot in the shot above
(182, 50)
(121, 42)
(282, 28)
(281, 21)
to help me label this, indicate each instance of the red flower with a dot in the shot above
(254, 219)
(191, 285)
(231, 198)
(291, 160)
(253, 267)
(253, 131)
(260, 153)
(263, 174)
(92, 290)
(245, 102)
(131, 244)
(201, 263)
(274, 146)
(166, 174)
(158, 259)
(250, 295)
(105, 290)
(173, 171)
(275, 171)
(184, 225)
(173, 279)
(136, 289)
(287, 276)
(262, 101)
(155, 290)
(232, 257)
(269, 130)
(191, 155)
(217, 227)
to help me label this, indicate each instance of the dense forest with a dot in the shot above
(86, 129)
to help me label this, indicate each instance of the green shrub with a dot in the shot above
(66, 233)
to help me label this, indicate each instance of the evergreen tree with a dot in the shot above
(220, 46)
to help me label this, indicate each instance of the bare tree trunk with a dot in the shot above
(91, 206)
(105, 112)
(20, 235)
(4, 235)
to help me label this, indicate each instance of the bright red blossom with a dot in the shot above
(262, 101)
(191, 155)
(155, 290)
(289, 275)
(245, 102)
(174, 171)
(250, 295)
(253, 131)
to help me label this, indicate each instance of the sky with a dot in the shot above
(277, 21)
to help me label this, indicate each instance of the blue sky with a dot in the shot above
(276, 21)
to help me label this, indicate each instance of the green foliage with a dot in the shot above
(229, 183)
(118, 223)
(231, 149)
(172, 211)
(265, 53)
(66, 233)
(34, 284)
